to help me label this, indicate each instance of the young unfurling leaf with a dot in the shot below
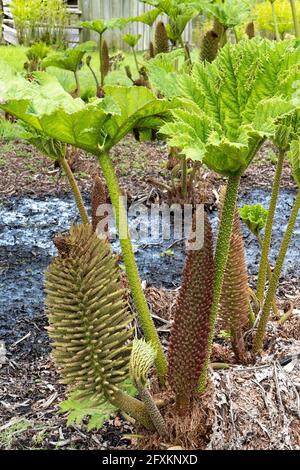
(254, 217)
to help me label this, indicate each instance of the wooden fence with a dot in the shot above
(72, 32)
(106, 9)
(99, 9)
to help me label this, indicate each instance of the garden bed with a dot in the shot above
(35, 206)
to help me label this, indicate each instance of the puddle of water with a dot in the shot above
(28, 225)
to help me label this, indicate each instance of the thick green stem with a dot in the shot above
(75, 189)
(77, 84)
(286, 316)
(275, 20)
(135, 60)
(295, 18)
(133, 407)
(261, 329)
(94, 76)
(193, 173)
(183, 176)
(253, 312)
(154, 413)
(223, 38)
(235, 35)
(1, 20)
(139, 299)
(102, 75)
(186, 52)
(219, 365)
(252, 316)
(269, 273)
(262, 272)
(221, 258)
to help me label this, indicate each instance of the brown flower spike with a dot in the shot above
(161, 42)
(189, 334)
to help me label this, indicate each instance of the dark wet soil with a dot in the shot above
(27, 226)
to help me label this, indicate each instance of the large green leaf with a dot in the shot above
(100, 124)
(147, 18)
(131, 40)
(70, 59)
(231, 12)
(45, 106)
(79, 410)
(51, 148)
(179, 13)
(137, 105)
(233, 104)
(254, 216)
(162, 71)
(100, 26)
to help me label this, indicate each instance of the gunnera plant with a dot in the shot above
(132, 41)
(294, 157)
(286, 132)
(229, 108)
(95, 127)
(71, 60)
(100, 26)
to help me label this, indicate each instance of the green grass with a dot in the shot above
(9, 130)
(272, 157)
(5, 148)
(8, 147)
(8, 434)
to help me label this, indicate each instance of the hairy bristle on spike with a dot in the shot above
(89, 322)
(190, 330)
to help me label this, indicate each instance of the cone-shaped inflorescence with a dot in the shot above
(99, 198)
(209, 46)
(89, 322)
(190, 330)
(234, 305)
(250, 30)
(151, 50)
(105, 58)
(161, 42)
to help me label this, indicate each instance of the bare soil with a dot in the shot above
(23, 171)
